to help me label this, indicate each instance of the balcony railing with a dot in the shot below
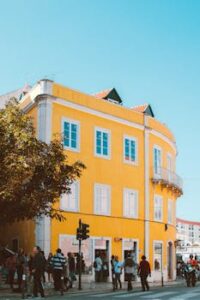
(168, 179)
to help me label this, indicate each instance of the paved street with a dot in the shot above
(165, 293)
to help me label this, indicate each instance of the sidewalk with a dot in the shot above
(6, 294)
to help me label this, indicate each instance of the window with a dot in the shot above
(157, 256)
(158, 208)
(169, 167)
(130, 203)
(102, 142)
(130, 150)
(70, 202)
(157, 160)
(102, 199)
(71, 130)
(170, 211)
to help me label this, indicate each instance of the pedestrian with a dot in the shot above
(98, 267)
(144, 271)
(37, 269)
(20, 261)
(118, 271)
(112, 261)
(58, 262)
(71, 268)
(44, 263)
(11, 267)
(105, 268)
(49, 268)
(129, 269)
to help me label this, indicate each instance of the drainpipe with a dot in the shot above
(146, 187)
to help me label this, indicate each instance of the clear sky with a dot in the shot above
(148, 49)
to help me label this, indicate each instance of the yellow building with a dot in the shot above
(128, 192)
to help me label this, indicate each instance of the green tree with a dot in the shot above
(33, 174)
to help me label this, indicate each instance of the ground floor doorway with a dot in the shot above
(130, 246)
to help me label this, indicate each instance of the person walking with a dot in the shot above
(71, 268)
(144, 271)
(129, 269)
(112, 262)
(37, 270)
(20, 261)
(11, 266)
(44, 264)
(118, 271)
(58, 263)
(98, 267)
(49, 267)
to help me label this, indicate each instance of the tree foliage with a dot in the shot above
(33, 174)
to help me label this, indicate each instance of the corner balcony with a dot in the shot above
(169, 180)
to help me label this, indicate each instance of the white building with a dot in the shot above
(188, 238)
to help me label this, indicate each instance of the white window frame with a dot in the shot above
(170, 202)
(131, 138)
(77, 123)
(107, 131)
(154, 256)
(157, 174)
(108, 187)
(135, 215)
(161, 198)
(66, 197)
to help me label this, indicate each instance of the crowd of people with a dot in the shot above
(130, 267)
(189, 269)
(34, 270)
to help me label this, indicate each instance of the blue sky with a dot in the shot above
(148, 49)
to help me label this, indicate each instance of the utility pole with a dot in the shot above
(161, 264)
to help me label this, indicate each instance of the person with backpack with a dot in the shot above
(58, 263)
(129, 270)
(98, 267)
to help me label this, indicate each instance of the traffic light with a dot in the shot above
(78, 234)
(85, 231)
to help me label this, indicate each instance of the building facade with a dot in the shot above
(188, 238)
(128, 192)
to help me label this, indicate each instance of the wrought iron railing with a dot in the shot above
(167, 177)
